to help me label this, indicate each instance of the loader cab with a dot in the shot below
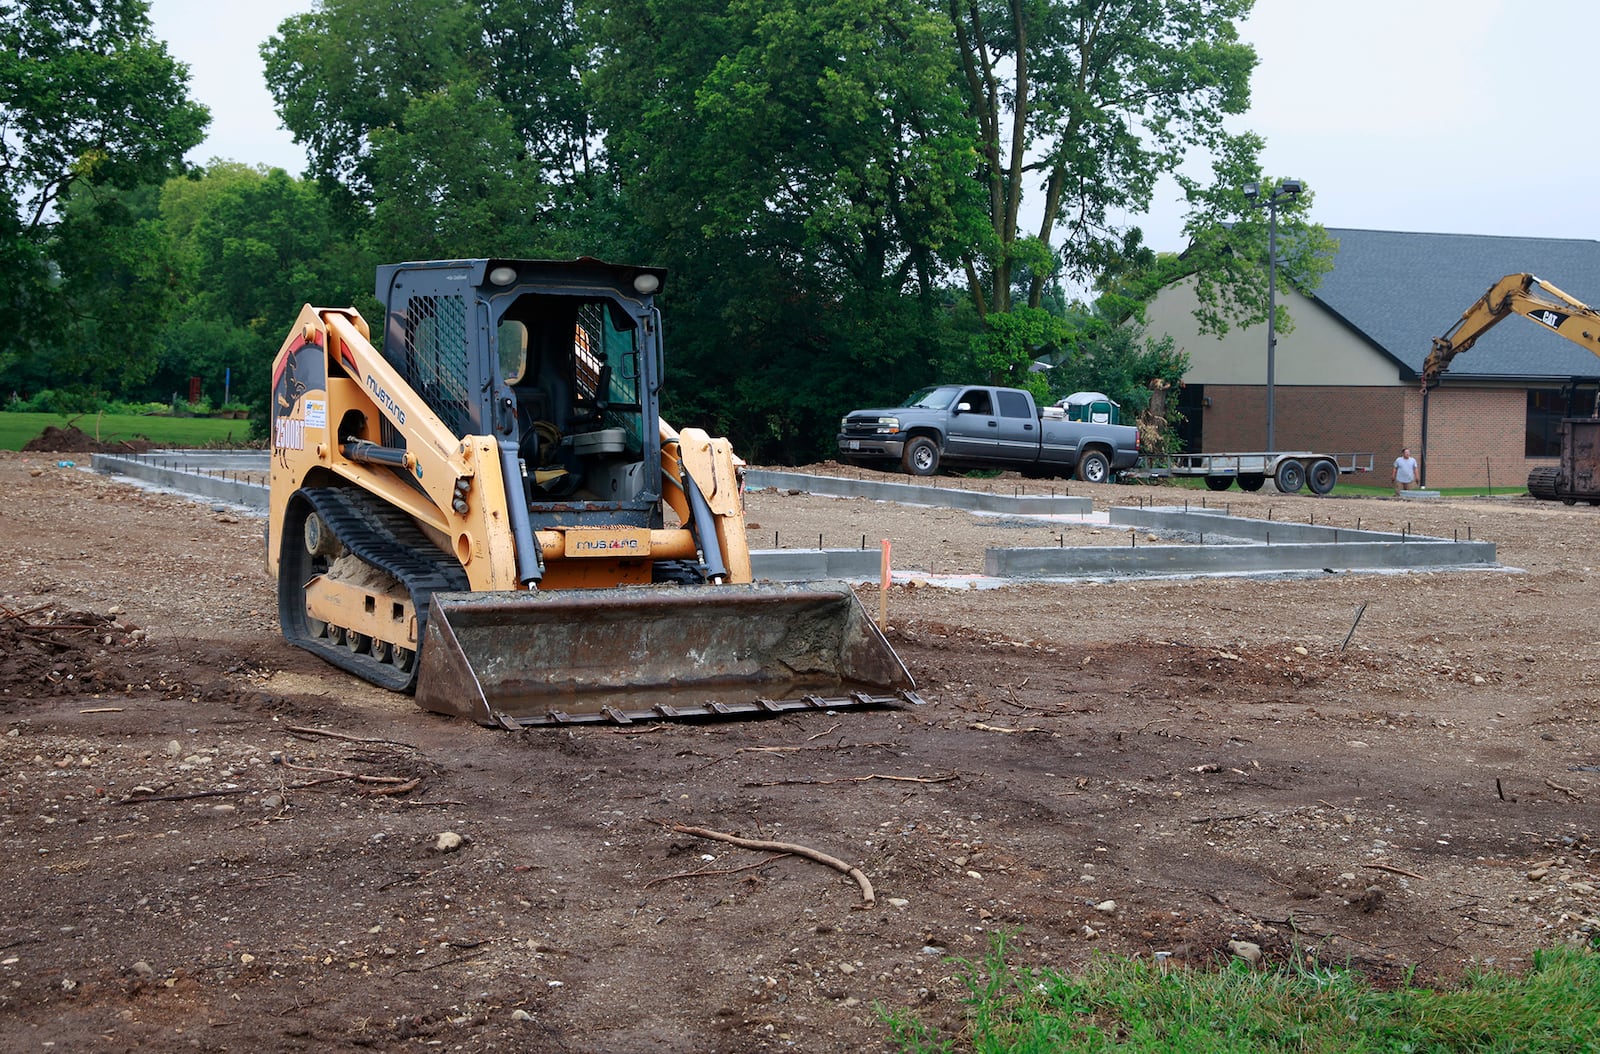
(558, 360)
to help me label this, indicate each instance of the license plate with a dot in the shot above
(853, 444)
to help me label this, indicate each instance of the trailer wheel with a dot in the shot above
(1322, 476)
(1094, 467)
(1252, 481)
(1219, 482)
(1291, 477)
(921, 457)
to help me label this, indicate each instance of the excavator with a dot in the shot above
(482, 506)
(1577, 477)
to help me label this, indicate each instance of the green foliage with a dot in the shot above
(460, 131)
(442, 186)
(1133, 1005)
(87, 98)
(1006, 348)
(255, 245)
(1096, 103)
(801, 168)
(1228, 260)
(119, 279)
(52, 401)
(1121, 362)
(835, 187)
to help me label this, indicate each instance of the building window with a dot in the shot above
(1546, 408)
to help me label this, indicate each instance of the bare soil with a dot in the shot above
(217, 843)
(74, 440)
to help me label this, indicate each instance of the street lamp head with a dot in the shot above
(1252, 190)
(1290, 186)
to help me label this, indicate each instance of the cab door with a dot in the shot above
(1016, 427)
(974, 431)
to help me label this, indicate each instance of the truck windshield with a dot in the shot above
(938, 398)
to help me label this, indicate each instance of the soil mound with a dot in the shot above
(73, 440)
(49, 651)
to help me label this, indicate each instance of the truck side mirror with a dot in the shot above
(963, 408)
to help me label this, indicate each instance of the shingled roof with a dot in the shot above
(1401, 290)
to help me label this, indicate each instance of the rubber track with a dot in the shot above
(1543, 481)
(386, 538)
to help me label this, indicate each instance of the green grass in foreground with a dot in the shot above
(1133, 1006)
(17, 429)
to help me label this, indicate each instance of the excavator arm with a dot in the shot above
(1515, 294)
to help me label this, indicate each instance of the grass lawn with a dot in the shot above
(1357, 490)
(17, 429)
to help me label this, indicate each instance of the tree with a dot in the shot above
(256, 244)
(87, 97)
(803, 169)
(1088, 103)
(1122, 362)
(455, 183)
(1229, 244)
(119, 278)
(440, 127)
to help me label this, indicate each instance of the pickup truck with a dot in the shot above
(974, 426)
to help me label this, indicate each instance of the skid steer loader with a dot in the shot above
(483, 506)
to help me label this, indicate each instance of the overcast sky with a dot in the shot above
(1449, 116)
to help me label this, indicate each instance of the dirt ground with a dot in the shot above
(218, 843)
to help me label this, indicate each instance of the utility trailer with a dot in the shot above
(1290, 470)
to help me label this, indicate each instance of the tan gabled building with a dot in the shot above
(1346, 377)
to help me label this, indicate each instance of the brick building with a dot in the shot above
(1346, 377)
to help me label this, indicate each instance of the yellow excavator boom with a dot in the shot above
(1515, 294)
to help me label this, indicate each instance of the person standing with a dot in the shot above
(1405, 472)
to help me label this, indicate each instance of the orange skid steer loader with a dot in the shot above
(483, 506)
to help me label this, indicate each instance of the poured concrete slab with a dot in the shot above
(1232, 545)
(1212, 542)
(230, 476)
(920, 494)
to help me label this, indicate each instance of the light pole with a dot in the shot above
(1289, 188)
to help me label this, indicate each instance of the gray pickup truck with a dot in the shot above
(974, 426)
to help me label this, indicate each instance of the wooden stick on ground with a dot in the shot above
(983, 727)
(304, 731)
(867, 895)
(1395, 870)
(1361, 609)
(136, 800)
(856, 779)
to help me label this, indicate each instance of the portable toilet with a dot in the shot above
(1096, 407)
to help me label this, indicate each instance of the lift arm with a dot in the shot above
(1515, 294)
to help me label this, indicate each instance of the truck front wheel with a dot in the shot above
(1094, 467)
(921, 457)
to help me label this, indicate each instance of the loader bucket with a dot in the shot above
(638, 652)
